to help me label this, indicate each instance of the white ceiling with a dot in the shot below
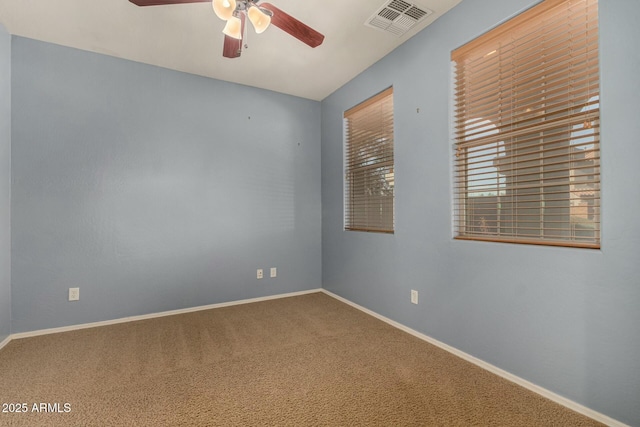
(187, 37)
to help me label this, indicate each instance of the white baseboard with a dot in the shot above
(153, 315)
(6, 341)
(489, 367)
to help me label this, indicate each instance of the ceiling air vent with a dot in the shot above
(397, 17)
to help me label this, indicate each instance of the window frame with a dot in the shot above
(369, 166)
(504, 40)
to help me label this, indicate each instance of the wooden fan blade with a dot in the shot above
(162, 2)
(291, 25)
(233, 47)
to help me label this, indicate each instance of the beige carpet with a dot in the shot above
(307, 360)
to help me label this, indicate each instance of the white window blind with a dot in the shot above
(527, 129)
(369, 168)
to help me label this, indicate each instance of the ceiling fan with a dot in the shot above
(235, 12)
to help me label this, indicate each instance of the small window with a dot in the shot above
(369, 169)
(527, 129)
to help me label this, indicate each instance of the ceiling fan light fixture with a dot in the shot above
(259, 18)
(233, 28)
(224, 8)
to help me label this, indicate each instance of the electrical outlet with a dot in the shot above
(74, 294)
(260, 274)
(274, 272)
(414, 296)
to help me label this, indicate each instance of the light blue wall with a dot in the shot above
(565, 319)
(152, 190)
(5, 184)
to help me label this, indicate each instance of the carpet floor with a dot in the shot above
(301, 361)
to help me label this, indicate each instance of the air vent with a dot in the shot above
(399, 5)
(388, 14)
(397, 17)
(416, 13)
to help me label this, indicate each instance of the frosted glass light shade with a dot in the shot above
(259, 19)
(233, 28)
(224, 8)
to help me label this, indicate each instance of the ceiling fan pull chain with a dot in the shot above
(244, 37)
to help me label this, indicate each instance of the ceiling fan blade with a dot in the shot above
(162, 2)
(291, 25)
(232, 48)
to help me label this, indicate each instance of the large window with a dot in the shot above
(527, 129)
(369, 170)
